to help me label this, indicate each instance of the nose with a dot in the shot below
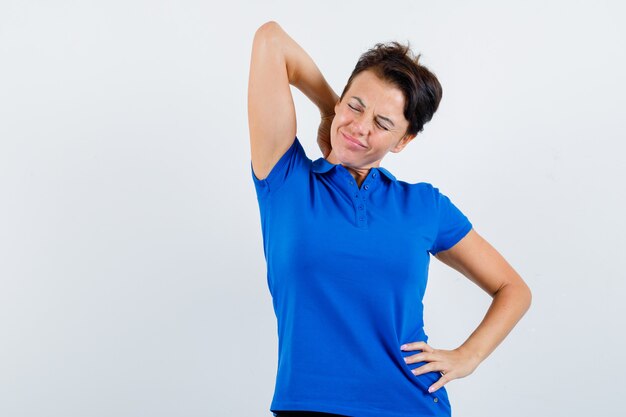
(360, 126)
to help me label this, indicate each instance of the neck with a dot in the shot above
(358, 173)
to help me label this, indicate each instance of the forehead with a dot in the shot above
(375, 92)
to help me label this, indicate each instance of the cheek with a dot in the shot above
(343, 114)
(338, 121)
(341, 120)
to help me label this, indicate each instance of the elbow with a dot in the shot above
(520, 291)
(267, 30)
(267, 39)
(524, 295)
(529, 296)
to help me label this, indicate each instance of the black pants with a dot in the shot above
(305, 414)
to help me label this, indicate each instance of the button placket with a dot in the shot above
(360, 207)
(361, 212)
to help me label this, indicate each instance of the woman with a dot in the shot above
(348, 245)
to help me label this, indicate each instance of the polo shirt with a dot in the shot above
(347, 268)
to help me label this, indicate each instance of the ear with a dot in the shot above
(403, 142)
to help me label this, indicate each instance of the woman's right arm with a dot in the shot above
(278, 61)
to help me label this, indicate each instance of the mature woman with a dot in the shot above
(348, 245)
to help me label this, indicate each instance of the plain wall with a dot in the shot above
(132, 277)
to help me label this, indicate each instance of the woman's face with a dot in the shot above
(368, 123)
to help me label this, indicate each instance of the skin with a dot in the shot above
(472, 256)
(361, 115)
(481, 263)
(278, 61)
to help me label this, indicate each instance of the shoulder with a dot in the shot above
(421, 188)
(292, 165)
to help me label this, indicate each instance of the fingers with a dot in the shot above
(424, 369)
(421, 357)
(432, 367)
(440, 383)
(417, 346)
(429, 355)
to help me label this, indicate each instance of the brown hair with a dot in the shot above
(396, 64)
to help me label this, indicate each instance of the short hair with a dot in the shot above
(396, 64)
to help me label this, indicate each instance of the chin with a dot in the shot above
(345, 158)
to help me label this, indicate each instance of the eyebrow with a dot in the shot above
(382, 117)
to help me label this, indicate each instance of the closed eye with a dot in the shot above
(355, 109)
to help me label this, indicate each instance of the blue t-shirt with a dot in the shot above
(347, 270)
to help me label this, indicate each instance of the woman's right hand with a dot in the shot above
(323, 134)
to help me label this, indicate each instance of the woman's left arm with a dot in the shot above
(475, 258)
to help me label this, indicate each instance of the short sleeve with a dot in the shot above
(292, 161)
(452, 224)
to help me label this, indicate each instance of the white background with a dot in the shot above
(132, 277)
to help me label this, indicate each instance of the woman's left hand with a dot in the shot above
(452, 364)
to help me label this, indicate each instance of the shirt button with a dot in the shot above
(436, 399)
(366, 187)
(374, 175)
(351, 182)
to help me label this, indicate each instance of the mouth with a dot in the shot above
(352, 140)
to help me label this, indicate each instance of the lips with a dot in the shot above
(353, 140)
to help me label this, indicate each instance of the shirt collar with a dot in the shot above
(321, 166)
